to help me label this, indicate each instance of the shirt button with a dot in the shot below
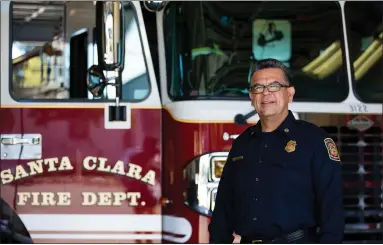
(255, 218)
(256, 199)
(256, 179)
(265, 145)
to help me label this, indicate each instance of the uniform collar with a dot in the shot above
(285, 128)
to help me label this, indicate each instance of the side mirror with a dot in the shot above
(110, 40)
(110, 35)
(97, 81)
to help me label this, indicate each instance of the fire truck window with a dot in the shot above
(365, 33)
(53, 45)
(210, 47)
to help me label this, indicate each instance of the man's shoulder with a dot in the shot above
(244, 136)
(319, 139)
(310, 129)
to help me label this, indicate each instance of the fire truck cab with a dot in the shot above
(117, 117)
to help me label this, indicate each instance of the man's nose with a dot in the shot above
(266, 91)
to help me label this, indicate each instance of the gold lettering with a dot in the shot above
(134, 171)
(20, 172)
(22, 198)
(6, 176)
(51, 162)
(149, 177)
(90, 163)
(133, 198)
(35, 199)
(105, 198)
(47, 198)
(36, 167)
(64, 198)
(110, 198)
(118, 168)
(65, 164)
(86, 163)
(102, 167)
(89, 199)
(118, 197)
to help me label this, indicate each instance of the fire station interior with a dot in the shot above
(54, 45)
(38, 31)
(42, 32)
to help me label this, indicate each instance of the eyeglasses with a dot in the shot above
(272, 87)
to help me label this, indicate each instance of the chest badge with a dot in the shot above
(290, 146)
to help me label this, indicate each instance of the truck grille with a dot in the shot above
(361, 155)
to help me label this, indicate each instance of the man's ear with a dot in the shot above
(291, 93)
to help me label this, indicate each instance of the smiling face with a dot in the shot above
(268, 103)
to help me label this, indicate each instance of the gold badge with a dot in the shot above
(290, 147)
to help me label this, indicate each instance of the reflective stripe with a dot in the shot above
(206, 50)
(92, 222)
(100, 226)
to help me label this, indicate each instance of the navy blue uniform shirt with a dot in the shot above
(278, 182)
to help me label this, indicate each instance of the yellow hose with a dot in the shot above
(322, 57)
(331, 65)
(369, 62)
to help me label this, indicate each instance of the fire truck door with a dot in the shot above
(71, 173)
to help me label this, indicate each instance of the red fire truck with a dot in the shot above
(117, 117)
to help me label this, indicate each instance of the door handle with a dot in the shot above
(16, 141)
(20, 146)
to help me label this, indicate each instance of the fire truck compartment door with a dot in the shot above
(20, 146)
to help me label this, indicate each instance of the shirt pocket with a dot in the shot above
(295, 172)
(285, 161)
(241, 184)
(241, 169)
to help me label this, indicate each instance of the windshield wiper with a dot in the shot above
(242, 119)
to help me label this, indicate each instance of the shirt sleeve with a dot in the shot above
(328, 185)
(221, 226)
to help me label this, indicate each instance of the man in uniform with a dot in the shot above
(282, 180)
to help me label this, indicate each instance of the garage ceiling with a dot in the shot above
(38, 11)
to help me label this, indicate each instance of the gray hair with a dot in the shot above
(271, 63)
